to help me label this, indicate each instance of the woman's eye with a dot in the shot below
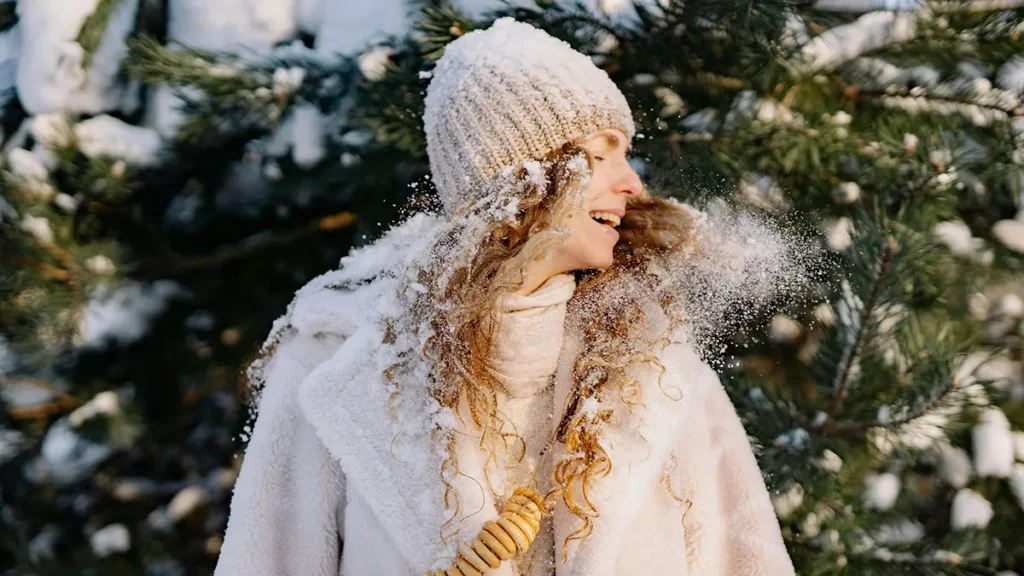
(599, 158)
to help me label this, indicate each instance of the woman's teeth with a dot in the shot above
(606, 218)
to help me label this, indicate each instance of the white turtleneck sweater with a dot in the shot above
(524, 358)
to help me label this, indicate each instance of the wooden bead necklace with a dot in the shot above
(511, 534)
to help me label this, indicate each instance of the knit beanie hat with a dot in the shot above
(506, 95)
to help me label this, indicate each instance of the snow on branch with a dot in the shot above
(977, 6)
(71, 54)
(918, 90)
(894, 22)
(844, 43)
(110, 137)
(1011, 75)
(874, 74)
(344, 28)
(860, 6)
(977, 115)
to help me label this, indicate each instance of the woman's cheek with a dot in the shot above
(598, 248)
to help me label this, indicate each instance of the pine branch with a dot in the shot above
(181, 264)
(438, 26)
(62, 403)
(710, 81)
(51, 272)
(862, 427)
(94, 27)
(585, 18)
(889, 249)
(35, 383)
(939, 558)
(41, 411)
(155, 64)
(224, 93)
(979, 115)
(60, 254)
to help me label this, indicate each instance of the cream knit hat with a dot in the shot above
(506, 95)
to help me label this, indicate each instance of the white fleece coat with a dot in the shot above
(324, 490)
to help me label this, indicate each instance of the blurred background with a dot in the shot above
(173, 170)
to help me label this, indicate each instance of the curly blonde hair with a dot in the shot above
(462, 328)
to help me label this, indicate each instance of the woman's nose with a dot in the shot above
(628, 182)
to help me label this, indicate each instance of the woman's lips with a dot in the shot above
(606, 229)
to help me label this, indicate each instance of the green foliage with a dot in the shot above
(225, 94)
(94, 27)
(51, 277)
(878, 149)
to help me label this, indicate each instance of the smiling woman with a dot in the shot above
(508, 387)
(592, 235)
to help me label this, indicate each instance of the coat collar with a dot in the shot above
(396, 463)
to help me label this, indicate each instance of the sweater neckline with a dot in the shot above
(555, 290)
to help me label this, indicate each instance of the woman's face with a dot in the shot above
(592, 228)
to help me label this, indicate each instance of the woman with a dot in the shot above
(530, 340)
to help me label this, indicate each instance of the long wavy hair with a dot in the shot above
(460, 296)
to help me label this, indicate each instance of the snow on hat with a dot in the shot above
(512, 93)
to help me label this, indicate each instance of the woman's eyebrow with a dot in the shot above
(613, 141)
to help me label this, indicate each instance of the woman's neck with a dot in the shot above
(537, 273)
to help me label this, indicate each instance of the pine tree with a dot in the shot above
(882, 401)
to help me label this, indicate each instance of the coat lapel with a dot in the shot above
(391, 447)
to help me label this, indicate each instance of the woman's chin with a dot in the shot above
(594, 249)
(598, 261)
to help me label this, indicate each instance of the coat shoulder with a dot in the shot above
(338, 301)
(685, 357)
(336, 304)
